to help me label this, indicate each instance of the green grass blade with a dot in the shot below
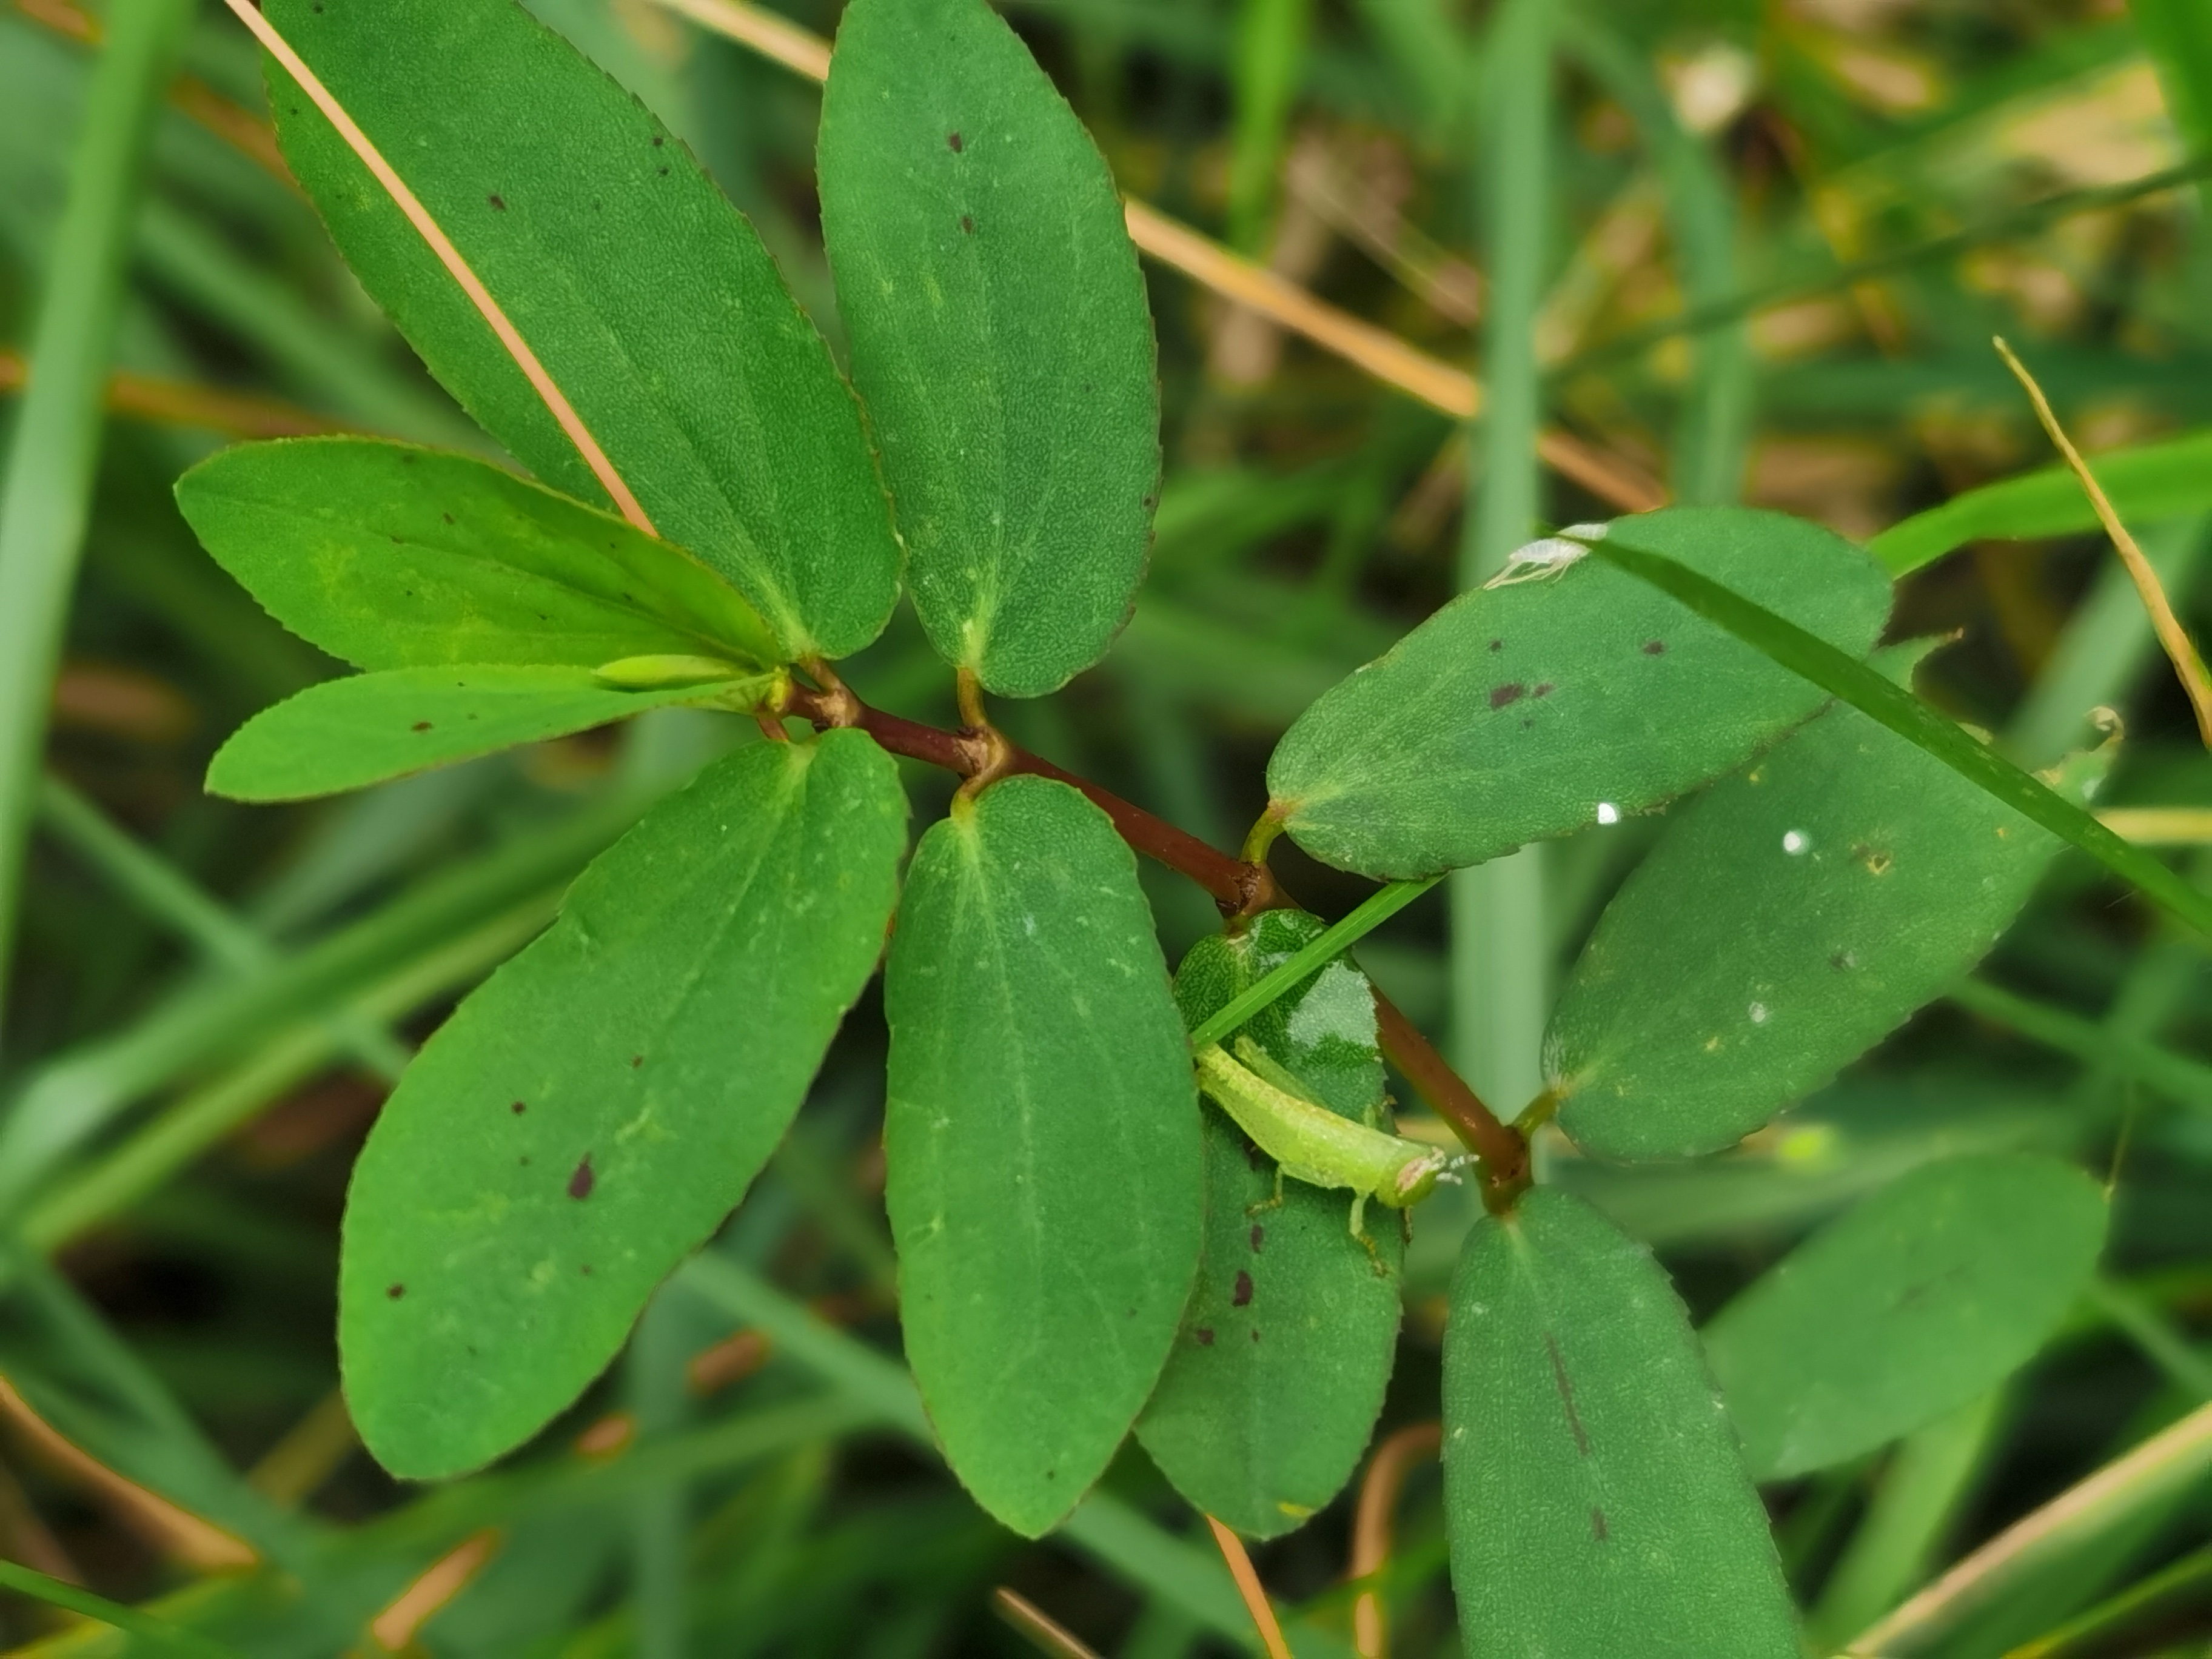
(159, 1634)
(1376, 910)
(45, 493)
(1867, 690)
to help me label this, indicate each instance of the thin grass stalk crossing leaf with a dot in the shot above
(647, 295)
(1279, 1372)
(388, 556)
(1865, 690)
(1810, 904)
(1301, 964)
(1556, 696)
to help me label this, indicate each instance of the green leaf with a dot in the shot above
(593, 1111)
(1790, 919)
(2146, 483)
(1594, 1493)
(999, 335)
(345, 734)
(2180, 48)
(645, 293)
(392, 556)
(1865, 690)
(1530, 709)
(1277, 1376)
(1924, 1297)
(1043, 1144)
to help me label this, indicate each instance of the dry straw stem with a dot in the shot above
(1254, 1594)
(1370, 1527)
(1373, 350)
(1047, 1633)
(2165, 1463)
(196, 1542)
(394, 1628)
(177, 403)
(2187, 663)
(450, 256)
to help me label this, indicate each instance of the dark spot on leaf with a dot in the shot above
(495, 201)
(1842, 961)
(519, 1108)
(1258, 1233)
(1256, 1333)
(1655, 647)
(447, 517)
(1204, 1335)
(636, 1060)
(1052, 1474)
(658, 141)
(1546, 690)
(664, 172)
(585, 1270)
(595, 207)
(1497, 644)
(581, 1183)
(1128, 1313)
(1566, 1395)
(968, 224)
(524, 1160)
(406, 457)
(1241, 1296)
(1150, 501)
(1598, 1529)
(419, 726)
(953, 140)
(396, 1290)
(1511, 691)
(1526, 724)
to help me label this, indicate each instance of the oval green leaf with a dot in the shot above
(347, 733)
(999, 334)
(390, 556)
(1594, 1496)
(1792, 919)
(647, 297)
(1041, 1138)
(1922, 1298)
(1279, 1372)
(1533, 709)
(591, 1112)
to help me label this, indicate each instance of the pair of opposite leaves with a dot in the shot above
(999, 335)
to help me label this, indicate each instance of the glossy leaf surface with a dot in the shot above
(1278, 1374)
(346, 733)
(999, 335)
(590, 1114)
(1922, 1298)
(1788, 922)
(1595, 1498)
(645, 293)
(1041, 1138)
(390, 556)
(1528, 710)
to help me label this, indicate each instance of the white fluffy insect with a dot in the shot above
(1541, 560)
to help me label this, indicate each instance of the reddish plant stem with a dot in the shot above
(1238, 889)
